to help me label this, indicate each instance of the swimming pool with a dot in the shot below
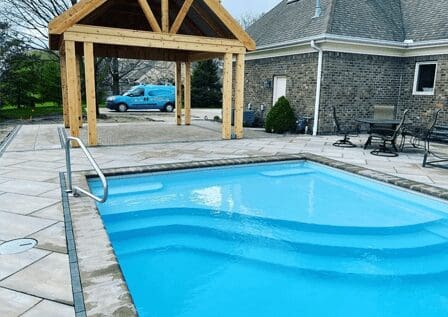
(278, 239)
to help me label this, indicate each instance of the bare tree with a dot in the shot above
(30, 18)
(247, 19)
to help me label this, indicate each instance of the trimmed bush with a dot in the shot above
(280, 118)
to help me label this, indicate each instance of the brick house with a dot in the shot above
(357, 55)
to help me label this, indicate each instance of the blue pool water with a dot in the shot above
(283, 239)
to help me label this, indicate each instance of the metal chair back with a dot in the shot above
(336, 125)
(432, 124)
(397, 131)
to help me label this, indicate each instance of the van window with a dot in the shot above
(159, 92)
(136, 92)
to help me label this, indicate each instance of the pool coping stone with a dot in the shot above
(94, 267)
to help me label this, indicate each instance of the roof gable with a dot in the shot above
(202, 18)
(384, 20)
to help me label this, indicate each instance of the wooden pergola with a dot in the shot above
(181, 31)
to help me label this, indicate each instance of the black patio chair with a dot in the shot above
(419, 134)
(346, 132)
(436, 134)
(389, 139)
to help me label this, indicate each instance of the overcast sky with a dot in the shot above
(239, 7)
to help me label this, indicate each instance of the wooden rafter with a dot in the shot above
(181, 16)
(73, 15)
(150, 16)
(165, 16)
(230, 23)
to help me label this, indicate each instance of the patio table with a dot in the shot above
(391, 125)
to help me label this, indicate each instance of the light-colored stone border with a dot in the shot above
(103, 285)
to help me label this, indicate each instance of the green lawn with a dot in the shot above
(42, 110)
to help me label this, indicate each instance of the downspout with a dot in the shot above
(319, 86)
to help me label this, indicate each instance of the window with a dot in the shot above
(135, 92)
(425, 78)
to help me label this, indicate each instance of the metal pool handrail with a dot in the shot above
(77, 190)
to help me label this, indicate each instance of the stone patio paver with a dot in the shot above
(27, 187)
(53, 212)
(28, 174)
(48, 278)
(49, 309)
(23, 204)
(52, 238)
(15, 226)
(13, 263)
(13, 304)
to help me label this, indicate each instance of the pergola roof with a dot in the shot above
(204, 18)
(183, 31)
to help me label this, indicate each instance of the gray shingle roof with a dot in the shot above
(425, 19)
(391, 20)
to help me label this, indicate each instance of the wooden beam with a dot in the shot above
(150, 15)
(133, 52)
(227, 98)
(196, 57)
(73, 15)
(165, 16)
(181, 16)
(113, 36)
(239, 96)
(89, 72)
(78, 90)
(72, 87)
(179, 93)
(187, 93)
(231, 24)
(65, 111)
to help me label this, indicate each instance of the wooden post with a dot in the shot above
(72, 88)
(179, 93)
(89, 71)
(64, 90)
(165, 16)
(187, 93)
(227, 98)
(78, 90)
(239, 96)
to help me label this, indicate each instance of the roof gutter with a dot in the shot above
(355, 40)
(318, 86)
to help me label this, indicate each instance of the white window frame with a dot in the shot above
(416, 75)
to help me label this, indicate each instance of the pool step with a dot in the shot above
(137, 188)
(418, 241)
(239, 218)
(288, 257)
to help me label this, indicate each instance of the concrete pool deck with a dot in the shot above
(38, 282)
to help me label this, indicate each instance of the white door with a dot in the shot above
(279, 88)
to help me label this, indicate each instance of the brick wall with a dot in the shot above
(420, 106)
(353, 83)
(301, 73)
